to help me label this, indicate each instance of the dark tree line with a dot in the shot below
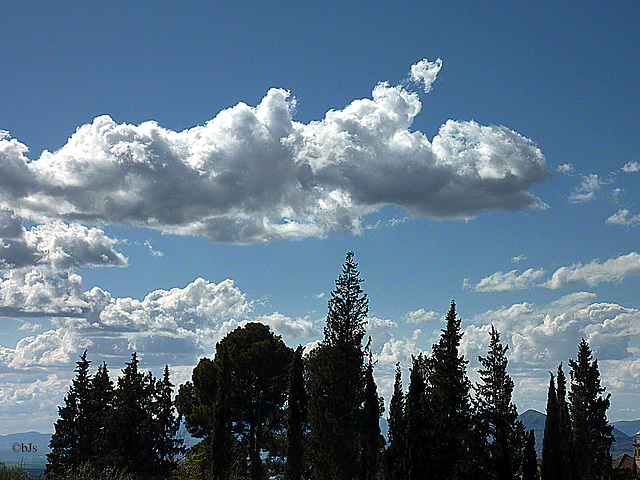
(130, 426)
(264, 410)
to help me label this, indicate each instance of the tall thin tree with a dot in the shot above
(296, 419)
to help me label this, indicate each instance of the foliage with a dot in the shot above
(529, 460)
(239, 396)
(336, 381)
(551, 443)
(395, 453)
(296, 419)
(496, 413)
(591, 432)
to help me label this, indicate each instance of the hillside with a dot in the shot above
(623, 443)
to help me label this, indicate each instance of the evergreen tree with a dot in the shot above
(222, 439)
(564, 422)
(419, 434)
(102, 392)
(395, 453)
(450, 399)
(497, 413)
(72, 440)
(166, 444)
(529, 458)
(551, 442)
(130, 425)
(337, 381)
(373, 441)
(591, 432)
(296, 419)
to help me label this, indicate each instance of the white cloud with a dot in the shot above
(499, 281)
(631, 167)
(519, 258)
(594, 272)
(588, 189)
(425, 72)
(624, 218)
(421, 316)
(56, 244)
(253, 174)
(566, 168)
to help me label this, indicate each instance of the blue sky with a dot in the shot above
(169, 171)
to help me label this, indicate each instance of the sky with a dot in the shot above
(172, 170)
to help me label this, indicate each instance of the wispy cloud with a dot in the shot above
(592, 274)
(566, 168)
(588, 189)
(631, 167)
(424, 73)
(254, 174)
(624, 218)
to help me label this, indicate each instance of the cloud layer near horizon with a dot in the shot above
(253, 174)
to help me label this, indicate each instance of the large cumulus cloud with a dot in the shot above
(253, 174)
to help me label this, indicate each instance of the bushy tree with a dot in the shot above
(591, 432)
(253, 401)
(336, 382)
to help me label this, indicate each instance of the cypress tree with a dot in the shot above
(551, 442)
(496, 411)
(222, 440)
(591, 432)
(529, 458)
(337, 381)
(564, 421)
(419, 435)
(372, 439)
(101, 404)
(395, 453)
(166, 444)
(296, 419)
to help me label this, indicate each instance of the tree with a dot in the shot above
(296, 419)
(591, 434)
(130, 425)
(254, 400)
(450, 399)
(166, 445)
(496, 412)
(102, 392)
(395, 453)
(529, 459)
(564, 425)
(337, 381)
(72, 441)
(551, 442)
(222, 439)
(419, 430)
(372, 439)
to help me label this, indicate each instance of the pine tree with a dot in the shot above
(395, 453)
(591, 432)
(336, 383)
(551, 442)
(296, 419)
(529, 458)
(449, 395)
(496, 412)
(373, 441)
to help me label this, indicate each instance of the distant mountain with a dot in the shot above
(535, 420)
(29, 448)
(630, 427)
